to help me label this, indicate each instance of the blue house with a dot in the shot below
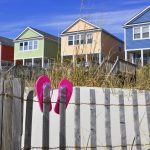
(137, 38)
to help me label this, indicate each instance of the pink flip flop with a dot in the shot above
(69, 88)
(41, 82)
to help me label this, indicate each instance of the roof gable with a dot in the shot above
(142, 17)
(28, 33)
(80, 25)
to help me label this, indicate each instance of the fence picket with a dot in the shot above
(122, 121)
(28, 122)
(136, 120)
(7, 116)
(108, 119)
(62, 134)
(16, 114)
(93, 120)
(46, 107)
(77, 120)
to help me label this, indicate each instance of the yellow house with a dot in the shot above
(87, 43)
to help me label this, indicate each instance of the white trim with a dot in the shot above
(81, 31)
(80, 19)
(32, 61)
(142, 61)
(14, 62)
(141, 12)
(86, 58)
(34, 38)
(27, 29)
(137, 49)
(137, 24)
(125, 40)
(126, 55)
(23, 62)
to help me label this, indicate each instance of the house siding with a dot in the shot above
(110, 47)
(51, 49)
(7, 53)
(29, 54)
(135, 44)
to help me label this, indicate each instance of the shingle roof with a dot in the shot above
(6, 41)
(47, 35)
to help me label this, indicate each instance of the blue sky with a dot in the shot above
(53, 16)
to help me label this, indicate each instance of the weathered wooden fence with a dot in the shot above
(95, 119)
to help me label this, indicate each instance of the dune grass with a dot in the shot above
(93, 77)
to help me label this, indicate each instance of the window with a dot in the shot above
(30, 45)
(70, 40)
(35, 45)
(145, 32)
(83, 39)
(137, 34)
(89, 38)
(25, 45)
(21, 46)
(76, 39)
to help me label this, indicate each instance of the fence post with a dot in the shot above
(93, 119)
(77, 120)
(1, 109)
(28, 122)
(62, 134)
(17, 114)
(7, 116)
(46, 107)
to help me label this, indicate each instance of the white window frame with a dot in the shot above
(77, 39)
(71, 40)
(33, 49)
(84, 34)
(22, 46)
(87, 38)
(141, 32)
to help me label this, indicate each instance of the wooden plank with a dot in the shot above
(77, 120)
(16, 114)
(7, 116)
(28, 122)
(122, 121)
(1, 109)
(136, 120)
(62, 134)
(46, 107)
(108, 120)
(93, 120)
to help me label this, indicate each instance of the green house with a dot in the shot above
(36, 48)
